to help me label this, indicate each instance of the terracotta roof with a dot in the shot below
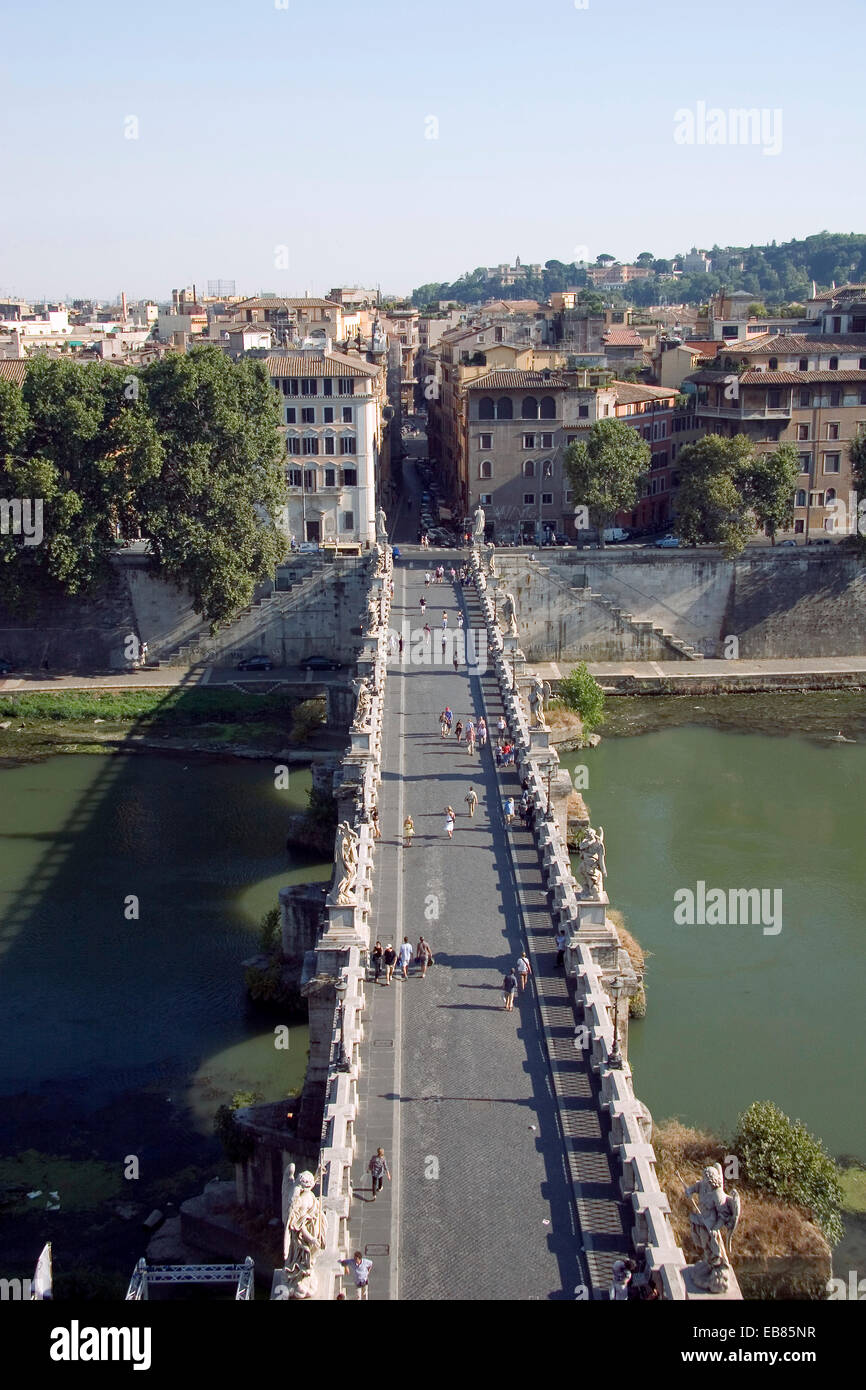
(623, 337)
(314, 364)
(797, 342)
(798, 378)
(284, 304)
(630, 392)
(14, 370)
(515, 379)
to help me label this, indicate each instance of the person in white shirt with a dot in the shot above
(360, 1269)
(523, 970)
(405, 957)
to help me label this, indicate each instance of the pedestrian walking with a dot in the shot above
(427, 579)
(471, 800)
(359, 1268)
(389, 960)
(482, 732)
(561, 942)
(509, 809)
(470, 740)
(499, 755)
(400, 647)
(458, 730)
(405, 956)
(144, 653)
(444, 620)
(449, 716)
(523, 970)
(374, 821)
(509, 989)
(453, 575)
(376, 958)
(460, 621)
(379, 1171)
(408, 832)
(449, 822)
(423, 956)
(422, 604)
(427, 632)
(501, 726)
(455, 659)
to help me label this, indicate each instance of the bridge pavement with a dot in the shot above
(459, 1092)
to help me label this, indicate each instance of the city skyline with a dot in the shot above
(247, 143)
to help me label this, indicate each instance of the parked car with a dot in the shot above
(5, 666)
(667, 543)
(820, 540)
(308, 547)
(788, 543)
(255, 663)
(614, 534)
(321, 663)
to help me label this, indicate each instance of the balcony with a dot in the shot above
(741, 412)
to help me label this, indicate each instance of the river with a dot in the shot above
(738, 1013)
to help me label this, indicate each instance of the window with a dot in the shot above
(308, 386)
(568, 494)
(486, 499)
(486, 469)
(547, 441)
(308, 415)
(311, 445)
(800, 497)
(348, 521)
(485, 409)
(804, 364)
(293, 444)
(330, 446)
(835, 396)
(328, 386)
(799, 526)
(529, 499)
(730, 331)
(499, 335)
(816, 499)
(805, 463)
(294, 477)
(802, 431)
(833, 431)
(831, 463)
(834, 364)
(547, 499)
(348, 444)
(773, 364)
(328, 414)
(862, 366)
(547, 409)
(290, 386)
(309, 480)
(863, 397)
(529, 469)
(330, 477)
(805, 397)
(348, 415)
(350, 477)
(583, 412)
(829, 496)
(529, 408)
(290, 414)
(487, 441)
(504, 408)
(663, 429)
(347, 386)
(837, 328)
(774, 399)
(529, 441)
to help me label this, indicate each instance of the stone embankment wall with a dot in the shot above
(596, 606)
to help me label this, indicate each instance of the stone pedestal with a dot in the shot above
(362, 744)
(539, 745)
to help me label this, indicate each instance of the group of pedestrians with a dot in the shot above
(385, 959)
(515, 980)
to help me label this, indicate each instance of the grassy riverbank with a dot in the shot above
(215, 720)
(817, 714)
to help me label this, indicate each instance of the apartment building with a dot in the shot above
(294, 321)
(332, 407)
(401, 327)
(806, 390)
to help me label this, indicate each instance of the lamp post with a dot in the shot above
(549, 770)
(341, 989)
(615, 989)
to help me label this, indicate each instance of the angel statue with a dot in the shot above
(490, 550)
(381, 527)
(539, 692)
(507, 612)
(478, 525)
(347, 860)
(374, 616)
(361, 722)
(715, 1212)
(593, 867)
(304, 1234)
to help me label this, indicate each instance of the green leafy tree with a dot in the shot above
(604, 470)
(579, 691)
(770, 488)
(781, 1156)
(211, 513)
(712, 503)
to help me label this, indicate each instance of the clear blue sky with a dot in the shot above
(304, 127)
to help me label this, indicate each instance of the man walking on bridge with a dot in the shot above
(472, 801)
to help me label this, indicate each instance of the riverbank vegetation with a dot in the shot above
(580, 694)
(791, 1191)
(818, 714)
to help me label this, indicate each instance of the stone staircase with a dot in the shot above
(641, 627)
(292, 576)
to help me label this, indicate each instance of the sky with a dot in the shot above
(293, 145)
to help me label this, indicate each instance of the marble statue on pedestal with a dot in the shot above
(479, 522)
(715, 1213)
(539, 692)
(593, 867)
(490, 549)
(304, 1233)
(362, 721)
(374, 616)
(507, 615)
(381, 527)
(347, 862)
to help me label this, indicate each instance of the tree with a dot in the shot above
(605, 258)
(579, 691)
(712, 502)
(210, 514)
(770, 488)
(757, 310)
(781, 1156)
(605, 468)
(644, 258)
